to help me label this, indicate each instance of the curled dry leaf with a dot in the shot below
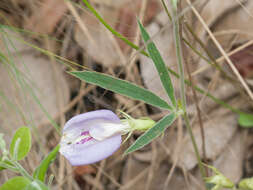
(45, 18)
(218, 132)
(95, 39)
(127, 24)
(99, 43)
(224, 92)
(234, 30)
(230, 162)
(243, 61)
(211, 12)
(235, 24)
(231, 25)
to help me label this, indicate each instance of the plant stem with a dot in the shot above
(114, 32)
(22, 170)
(8, 166)
(182, 86)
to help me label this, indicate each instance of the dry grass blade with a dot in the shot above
(244, 84)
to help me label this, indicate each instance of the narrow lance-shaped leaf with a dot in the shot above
(159, 64)
(41, 170)
(152, 133)
(22, 138)
(122, 87)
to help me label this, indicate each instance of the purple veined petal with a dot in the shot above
(79, 147)
(91, 151)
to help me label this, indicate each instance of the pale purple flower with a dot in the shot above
(92, 136)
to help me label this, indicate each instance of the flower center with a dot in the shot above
(85, 137)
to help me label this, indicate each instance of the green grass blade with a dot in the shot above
(159, 64)
(152, 133)
(114, 32)
(122, 87)
(41, 170)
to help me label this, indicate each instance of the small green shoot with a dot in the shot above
(245, 120)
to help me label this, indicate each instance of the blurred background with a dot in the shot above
(41, 40)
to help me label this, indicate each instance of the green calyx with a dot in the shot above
(142, 124)
(139, 124)
(246, 184)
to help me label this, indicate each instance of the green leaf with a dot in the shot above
(41, 170)
(16, 183)
(246, 120)
(210, 186)
(122, 87)
(152, 133)
(246, 184)
(36, 185)
(159, 64)
(23, 136)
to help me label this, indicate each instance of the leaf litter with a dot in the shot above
(226, 145)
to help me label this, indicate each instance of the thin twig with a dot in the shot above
(244, 84)
(195, 98)
(196, 102)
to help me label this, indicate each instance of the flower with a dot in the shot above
(93, 136)
(80, 147)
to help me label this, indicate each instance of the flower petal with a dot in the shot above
(105, 130)
(92, 151)
(83, 119)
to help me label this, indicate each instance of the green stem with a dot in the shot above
(182, 86)
(218, 101)
(8, 166)
(117, 34)
(22, 170)
(166, 10)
